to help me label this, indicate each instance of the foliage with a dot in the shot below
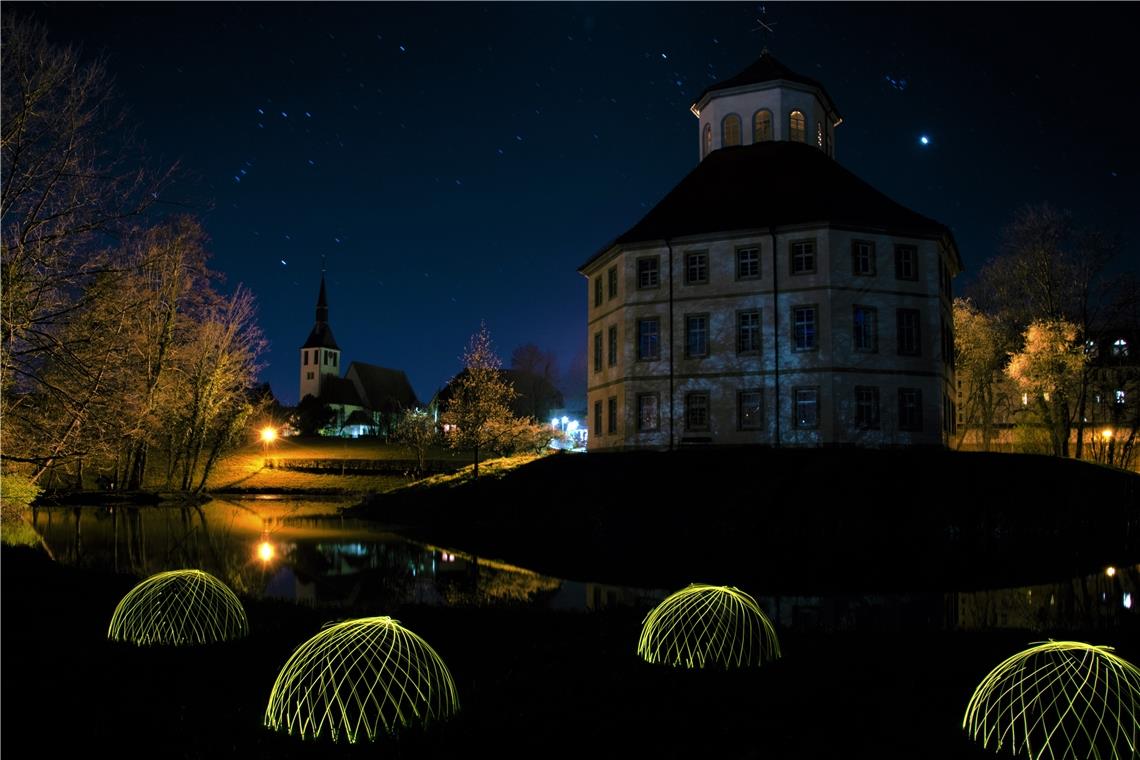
(981, 352)
(1049, 369)
(17, 492)
(417, 429)
(480, 401)
(517, 435)
(313, 416)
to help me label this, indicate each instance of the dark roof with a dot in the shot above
(772, 184)
(767, 69)
(321, 335)
(383, 389)
(339, 390)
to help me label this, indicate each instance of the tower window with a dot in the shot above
(305, 354)
(762, 126)
(730, 130)
(706, 141)
(797, 127)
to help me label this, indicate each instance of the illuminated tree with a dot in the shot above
(359, 678)
(417, 429)
(708, 626)
(480, 396)
(980, 354)
(1061, 700)
(1049, 369)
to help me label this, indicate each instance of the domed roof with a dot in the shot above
(773, 184)
(766, 69)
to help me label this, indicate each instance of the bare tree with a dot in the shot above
(481, 396)
(417, 429)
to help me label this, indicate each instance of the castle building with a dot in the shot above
(367, 400)
(772, 296)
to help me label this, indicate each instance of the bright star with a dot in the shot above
(924, 140)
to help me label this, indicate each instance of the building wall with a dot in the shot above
(834, 367)
(321, 362)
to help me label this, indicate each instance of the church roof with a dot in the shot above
(767, 69)
(382, 389)
(772, 184)
(321, 335)
(340, 390)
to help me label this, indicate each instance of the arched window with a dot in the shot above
(730, 131)
(819, 134)
(762, 126)
(706, 143)
(797, 127)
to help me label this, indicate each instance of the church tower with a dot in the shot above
(320, 356)
(766, 102)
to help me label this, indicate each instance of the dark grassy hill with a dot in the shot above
(787, 520)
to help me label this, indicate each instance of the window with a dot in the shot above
(747, 332)
(866, 407)
(1120, 348)
(748, 263)
(611, 276)
(862, 258)
(612, 415)
(797, 127)
(697, 411)
(305, 354)
(865, 328)
(613, 346)
(696, 268)
(697, 335)
(762, 126)
(750, 409)
(908, 332)
(1118, 394)
(648, 339)
(906, 262)
(648, 412)
(706, 142)
(334, 359)
(730, 131)
(807, 407)
(802, 256)
(597, 352)
(597, 418)
(308, 375)
(647, 272)
(910, 409)
(804, 329)
(597, 292)
(819, 134)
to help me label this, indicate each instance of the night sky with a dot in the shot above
(457, 163)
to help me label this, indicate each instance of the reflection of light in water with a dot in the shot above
(265, 551)
(1127, 601)
(1110, 571)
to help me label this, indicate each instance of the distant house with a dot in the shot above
(367, 400)
(772, 296)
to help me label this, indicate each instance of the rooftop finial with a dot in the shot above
(322, 264)
(765, 29)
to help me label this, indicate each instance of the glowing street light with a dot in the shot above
(268, 435)
(265, 551)
(1106, 434)
(1110, 571)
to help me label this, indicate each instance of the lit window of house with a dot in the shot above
(730, 134)
(797, 127)
(1120, 348)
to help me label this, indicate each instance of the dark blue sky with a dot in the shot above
(456, 163)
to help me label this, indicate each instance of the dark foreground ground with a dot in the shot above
(532, 683)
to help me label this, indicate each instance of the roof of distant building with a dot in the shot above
(767, 69)
(382, 389)
(340, 390)
(768, 185)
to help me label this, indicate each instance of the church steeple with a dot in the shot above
(320, 355)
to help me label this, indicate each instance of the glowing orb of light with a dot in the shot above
(704, 626)
(179, 608)
(360, 677)
(1060, 699)
(268, 435)
(924, 140)
(265, 551)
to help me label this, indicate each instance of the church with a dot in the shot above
(367, 401)
(772, 297)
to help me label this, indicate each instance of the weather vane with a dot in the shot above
(765, 28)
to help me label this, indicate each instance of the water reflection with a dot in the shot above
(291, 549)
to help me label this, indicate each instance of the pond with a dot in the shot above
(301, 550)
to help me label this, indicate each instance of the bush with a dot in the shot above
(17, 492)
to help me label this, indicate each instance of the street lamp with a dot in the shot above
(268, 436)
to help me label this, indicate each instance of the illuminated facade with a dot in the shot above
(772, 296)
